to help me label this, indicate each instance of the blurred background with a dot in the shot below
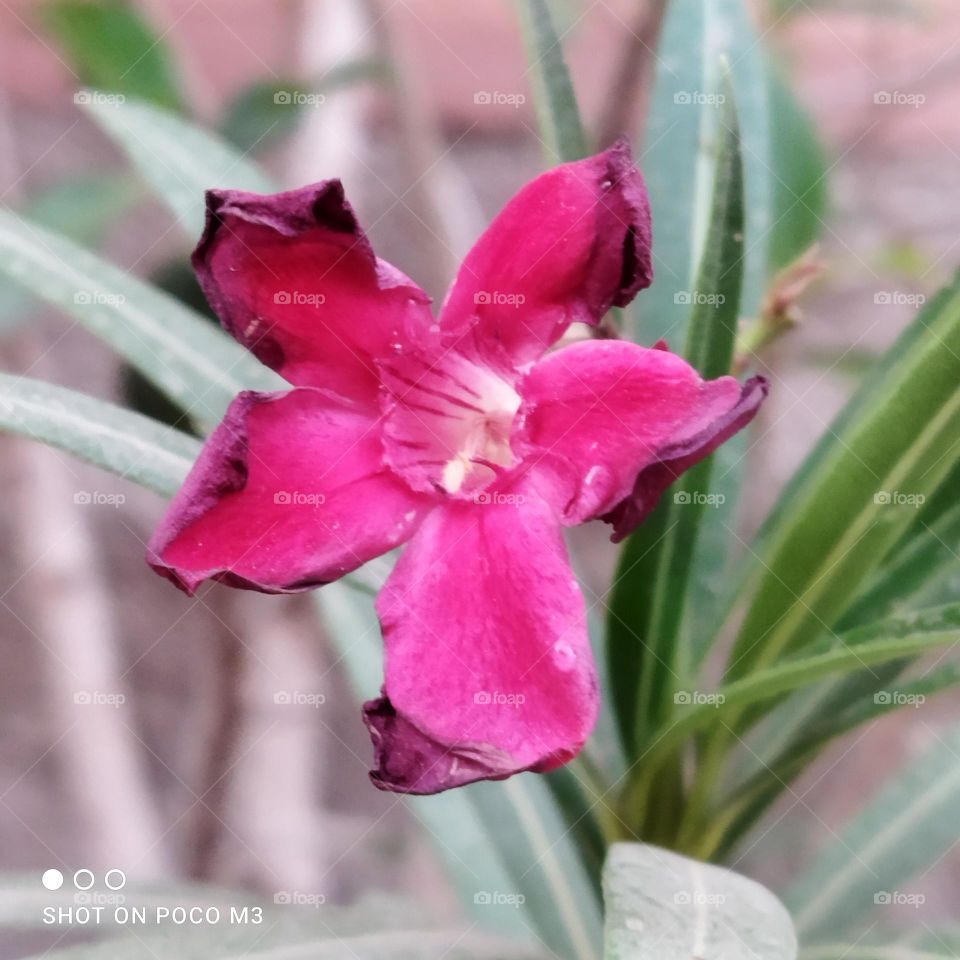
(216, 738)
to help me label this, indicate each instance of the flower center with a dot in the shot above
(448, 422)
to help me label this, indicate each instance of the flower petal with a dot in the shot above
(488, 666)
(293, 277)
(289, 493)
(567, 247)
(608, 425)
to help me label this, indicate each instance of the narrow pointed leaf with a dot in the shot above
(902, 831)
(197, 366)
(125, 443)
(557, 112)
(177, 159)
(646, 651)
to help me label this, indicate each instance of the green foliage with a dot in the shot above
(111, 47)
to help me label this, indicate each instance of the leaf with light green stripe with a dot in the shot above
(665, 906)
(118, 440)
(832, 527)
(177, 159)
(647, 653)
(680, 140)
(557, 112)
(773, 773)
(902, 831)
(197, 366)
(888, 640)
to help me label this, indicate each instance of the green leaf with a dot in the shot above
(265, 111)
(883, 642)
(112, 47)
(197, 366)
(558, 115)
(800, 176)
(81, 208)
(660, 904)
(525, 847)
(176, 159)
(774, 772)
(125, 443)
(647, 653)
(680, 141)
(903, 830)
(833, 526)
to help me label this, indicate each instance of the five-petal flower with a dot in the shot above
(461, 435)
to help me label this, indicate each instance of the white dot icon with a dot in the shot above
(52, 879)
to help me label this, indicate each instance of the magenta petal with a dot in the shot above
(681, 456)
(571, 244)
(293, 277)
(606, 426)
(289, 492)
(488, 666)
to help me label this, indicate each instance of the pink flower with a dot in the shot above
(461, 435)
